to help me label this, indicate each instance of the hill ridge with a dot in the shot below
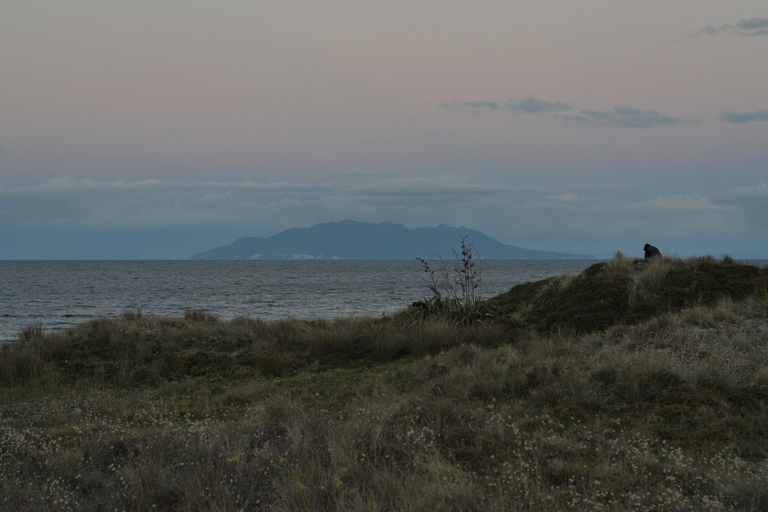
(353, 240)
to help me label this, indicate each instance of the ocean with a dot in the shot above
(60, 294)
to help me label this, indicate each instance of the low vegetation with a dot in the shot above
(634, 386)
(456, 291)
(627, 291)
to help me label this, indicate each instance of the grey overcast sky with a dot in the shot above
(158, 129)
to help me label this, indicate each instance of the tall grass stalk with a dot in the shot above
(456, 288)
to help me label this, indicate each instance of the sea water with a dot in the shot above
(59, 294)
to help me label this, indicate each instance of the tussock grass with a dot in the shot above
(627, 291)
(650, 283)
(31, 332)
(138, 351)
(139, 413)
(619, 265)
(198, 316)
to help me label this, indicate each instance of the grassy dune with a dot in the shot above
(629, 387)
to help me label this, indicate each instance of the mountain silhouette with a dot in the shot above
(350, 240)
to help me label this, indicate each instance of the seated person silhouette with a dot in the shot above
(651, 251)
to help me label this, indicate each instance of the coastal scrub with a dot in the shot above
(533, 411)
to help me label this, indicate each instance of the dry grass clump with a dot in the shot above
(619, 265)
(557, 284)
(31, 332)
(130, 315)
(729, 340)
(194, 315)
(649, 284)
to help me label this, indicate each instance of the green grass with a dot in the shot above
(626, 291)
(537, 410)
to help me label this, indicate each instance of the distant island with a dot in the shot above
(350, 240)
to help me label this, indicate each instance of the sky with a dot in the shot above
(160, 129)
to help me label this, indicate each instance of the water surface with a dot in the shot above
(60, 294)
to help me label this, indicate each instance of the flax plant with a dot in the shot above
(456, 288)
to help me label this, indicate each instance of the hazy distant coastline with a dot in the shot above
(350, 240)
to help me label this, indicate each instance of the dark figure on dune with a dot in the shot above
(651, 251)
